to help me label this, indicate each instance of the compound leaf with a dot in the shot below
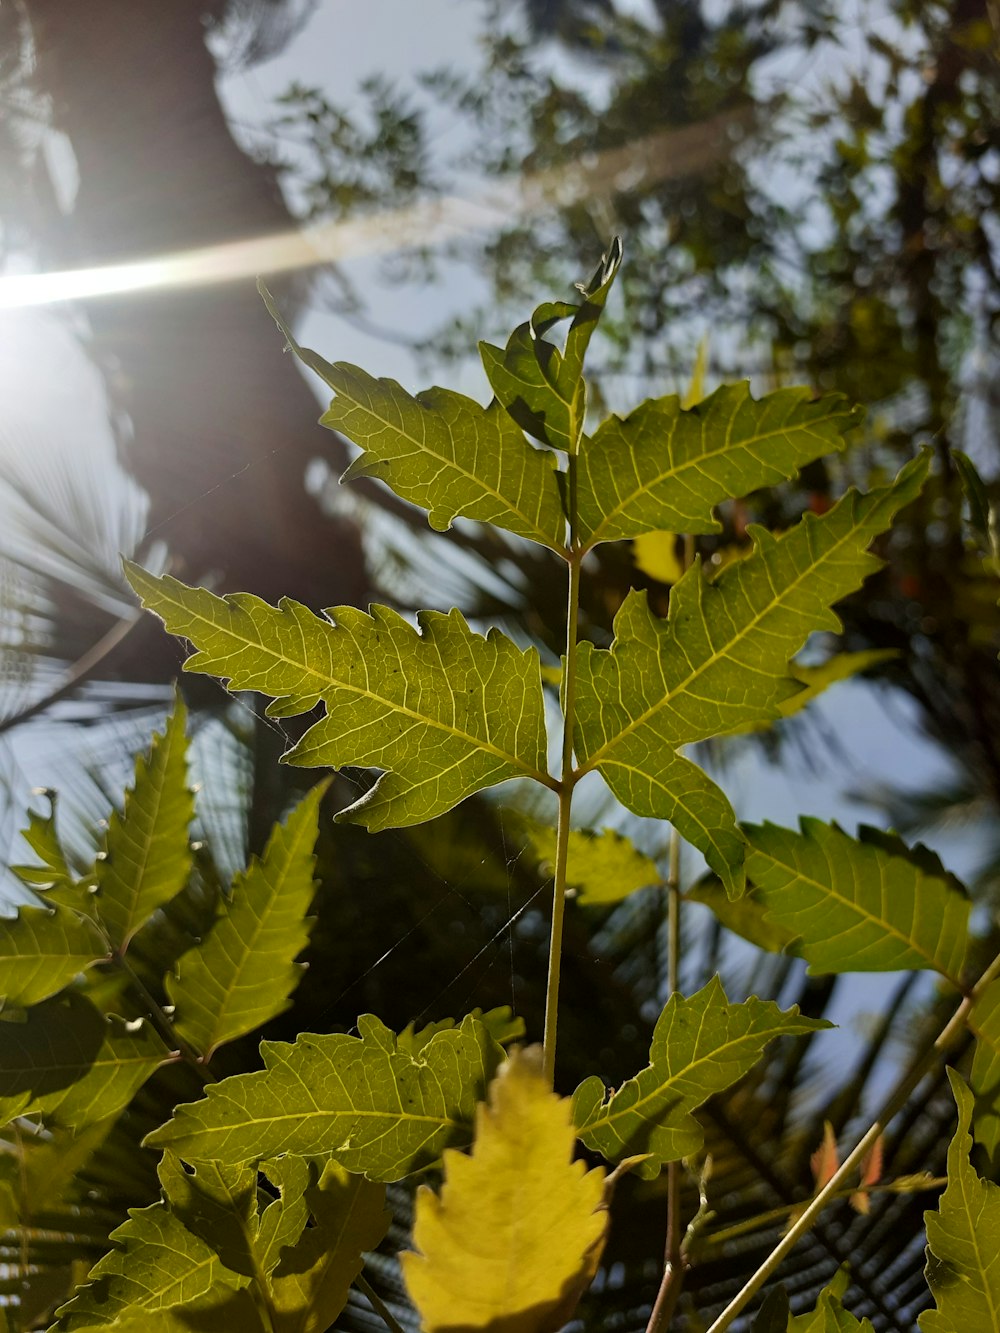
(243, 973)
(510, 1241)
(42, 950)
(147, 856)
(855, 906)
(445, 712)
(666, 468)
(375, 1108)
(963, 1239)
(700, 1046)
(718, 661)
(70, 1064)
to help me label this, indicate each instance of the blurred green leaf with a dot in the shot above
(42, 950)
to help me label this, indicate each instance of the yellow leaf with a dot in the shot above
(516, 1233)
(655, 553)
(696, 389)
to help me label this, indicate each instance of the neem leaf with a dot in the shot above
(148, 858)
(603, 866)
(963, 1239)
(984, 1023)
(52, 878)
(829, 1315)
(373, 1107)
(666, 468)
(816, 680)
(68, 1063)
(42, 950)
(445, 712)
(700, 1046)
(855, 906)
(745, 916)
(510, 1240)
(541, 387)
(440, 450)
(719, 660)
(243, 973)
(157, 1264)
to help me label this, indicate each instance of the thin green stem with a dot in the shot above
(377, 1304)
(891, 1108)
(162, 1021)
(566, 784)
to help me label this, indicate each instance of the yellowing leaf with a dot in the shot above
(242, 974)
(655, 553)
(963, 1239)
(513, 1234)
(445, 712)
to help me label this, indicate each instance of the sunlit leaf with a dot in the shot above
(664, 468)
(963, 1239)
(510, 1236)
(603, 867)
(855, 906)
(655, 554)
(442, 451)
(148, 858)
(376, 1109)
(70, 1064)
(52, 875)
(541, 386)
(444, 711)
(718, 661)
(700, 1046)
(984, 1023)
(816, 680)
(243, 973)
(42, 950)
(830, 1315)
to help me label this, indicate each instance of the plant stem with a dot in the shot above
(566, 784)
(163, 1023)
(892, 1106)
(377, 1304)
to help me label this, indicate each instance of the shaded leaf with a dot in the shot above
(830, 1315)
(148, 858)
(700, 1046)
(816, 680)
(501, 1023)
(963, 1239)
(243, 973)
(42, 950)
(52, 875)
(71, 1064)
(517, 1220)
(541, 387)
(444, 711)
(976, 494)
(745, 916)
(854, 905)
(665, 468)
(373, 1107)
(984, 1023)
(718, 661)
(603, 866)
(773, 1315)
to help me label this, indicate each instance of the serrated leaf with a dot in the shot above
(71, 1065)
(217, 1204)
(243, 974)
(52, 877)
(829, 1315)
(539, 385)
(157, 1264)
(963, 1239)
(42, 950)
(445, 712)
(147, 855)
(984, 1079)
(718, 661)
(309, 1286)
(501, 1023)
(816, 680)
(666, 468)
(374, 1108)
(602, 866)
(441, 450)
(854, 905)
(514, 1229)
(746, 916)
(700, 1046)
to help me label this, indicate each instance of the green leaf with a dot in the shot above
(52, 877)
(718, 661)
(374, 1108)
(745, 916)
(441, 450)
(963, 1239)
(666, 468)
(243, 973)
(510, 1241)
(773, 1315)
(541, 387)
(816, 680)
(856, 906)
(984, 1023)
(444, 711)
(42, 950)
(71, 1065)
(700, 1046)
(500, 1023)
(603, 867)
(148, 858)
(829, 1315)
(978, 498)
(157, 1263)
